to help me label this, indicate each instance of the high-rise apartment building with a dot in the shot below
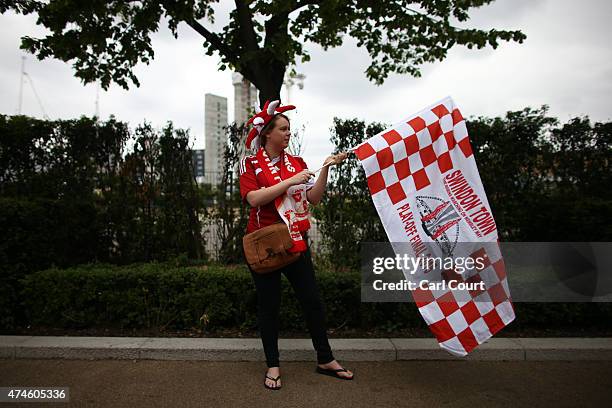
(245, 97)
(197, 158)
(215, 119)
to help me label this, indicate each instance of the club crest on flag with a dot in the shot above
(440, 222)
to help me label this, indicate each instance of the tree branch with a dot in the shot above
(247, 31)
(299, 4)
(214, 40)
(277, 19)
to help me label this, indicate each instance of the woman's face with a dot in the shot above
(280, 135)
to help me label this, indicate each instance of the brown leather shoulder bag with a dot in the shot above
(266, 249)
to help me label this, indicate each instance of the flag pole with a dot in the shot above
(328, 164)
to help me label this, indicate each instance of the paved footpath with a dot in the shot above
(156, 383)
(250, 349)
(177, 372)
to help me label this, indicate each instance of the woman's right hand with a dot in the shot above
(300, 178)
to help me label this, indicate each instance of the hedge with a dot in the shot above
(166, 296)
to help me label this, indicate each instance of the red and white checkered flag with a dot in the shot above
(426, 188)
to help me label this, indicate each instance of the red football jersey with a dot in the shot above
(252, 178)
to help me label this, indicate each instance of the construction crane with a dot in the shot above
(25, 76)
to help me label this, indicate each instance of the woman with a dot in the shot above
(274, 184)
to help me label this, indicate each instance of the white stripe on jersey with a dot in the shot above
(243, 163)
(242, 166)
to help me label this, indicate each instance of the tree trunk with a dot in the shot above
(267, 75)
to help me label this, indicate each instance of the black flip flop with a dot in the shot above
(334, 373)
(275, 381)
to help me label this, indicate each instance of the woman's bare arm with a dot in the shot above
(316, 192)
(266, 195)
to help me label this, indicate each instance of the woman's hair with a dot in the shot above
(269, 126)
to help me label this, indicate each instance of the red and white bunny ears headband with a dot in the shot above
(262, 118)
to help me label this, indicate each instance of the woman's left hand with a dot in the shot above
(335, 159)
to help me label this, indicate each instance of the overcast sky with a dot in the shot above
(565, 63)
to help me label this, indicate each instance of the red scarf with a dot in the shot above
(292, 206)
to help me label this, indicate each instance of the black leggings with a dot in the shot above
(301, 276)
